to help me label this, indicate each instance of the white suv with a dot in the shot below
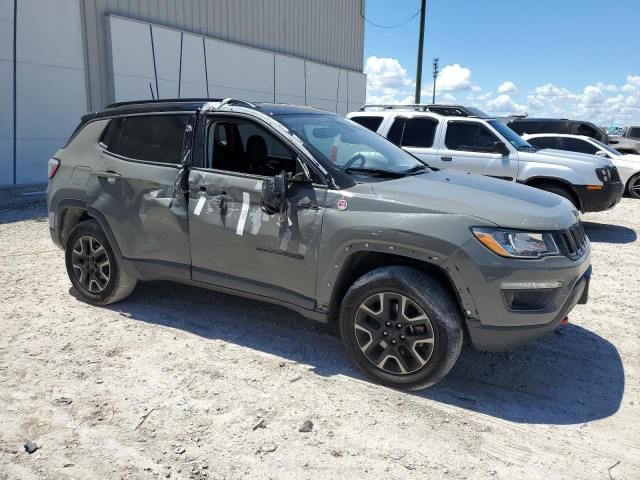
(628, 165)
(476, 143)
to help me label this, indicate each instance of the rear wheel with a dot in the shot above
(633, 186)
(93, 268)
(401, 327)
(561, 190)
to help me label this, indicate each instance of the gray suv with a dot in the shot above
(306, 209)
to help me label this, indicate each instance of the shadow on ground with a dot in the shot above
(607, 233)
(18, 207)
(570, 376)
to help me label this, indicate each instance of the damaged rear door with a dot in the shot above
(234, 242)
(139, 194)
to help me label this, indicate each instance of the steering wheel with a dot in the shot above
(354, 159)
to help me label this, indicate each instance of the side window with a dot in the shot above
(372, 123)
(419, 132)
(553, 127)
(244, 147)
(153, 138)
(634, 133)
(522, 127)
(584, 129)
(544, 142)
(576, 145)
(396, 131)
(469, 137)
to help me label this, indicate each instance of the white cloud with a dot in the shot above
(453, 78)
(387, 81)
(447, 98)
(504, 104)
(507, 87)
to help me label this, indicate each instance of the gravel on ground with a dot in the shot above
(182, 383)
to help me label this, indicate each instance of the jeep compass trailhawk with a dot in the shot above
(306, 209)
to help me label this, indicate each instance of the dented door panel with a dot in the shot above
(145, 208)
(235, 244)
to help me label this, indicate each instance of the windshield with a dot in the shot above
(512, 137)
(350, 147)
(606, 148)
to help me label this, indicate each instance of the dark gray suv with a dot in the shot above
(306, 209)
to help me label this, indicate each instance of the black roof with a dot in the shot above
(193, 104)
(533, 119)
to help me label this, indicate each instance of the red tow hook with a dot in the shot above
(564, 321)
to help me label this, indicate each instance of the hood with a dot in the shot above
(549, 155)
(503, 203)
(629, 158)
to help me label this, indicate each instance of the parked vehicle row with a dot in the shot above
(628, 141)
(628, 166)
(306, 209)
(477, 143)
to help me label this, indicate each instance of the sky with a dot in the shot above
(578, 59)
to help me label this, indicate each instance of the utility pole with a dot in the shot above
(420, 50)
(436, 71)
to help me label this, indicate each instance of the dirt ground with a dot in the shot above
(182, 383)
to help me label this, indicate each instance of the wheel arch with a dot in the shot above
(71, 212)
(362, 262)
(540, 180)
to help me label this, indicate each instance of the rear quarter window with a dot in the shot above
(372, 123)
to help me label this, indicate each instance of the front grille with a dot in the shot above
(573, 242)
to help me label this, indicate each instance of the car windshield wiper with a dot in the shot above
(375, 171)
(417, 168)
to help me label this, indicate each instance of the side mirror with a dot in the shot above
(274, 193)
(602, 153)
(500, 147)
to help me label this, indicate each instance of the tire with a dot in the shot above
(429, 325)
(561, 190)
(93, 268)
(633, 186)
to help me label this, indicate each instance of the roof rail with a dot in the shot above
(163, 100)
(441, 109)
(385, 106)
(234, 101)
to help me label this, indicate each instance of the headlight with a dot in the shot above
(515, 243)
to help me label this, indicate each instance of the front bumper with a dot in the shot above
(599, 200)
(483, 279)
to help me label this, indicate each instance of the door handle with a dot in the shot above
(446, 159)
(112, 175)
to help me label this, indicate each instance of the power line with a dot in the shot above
(385, 26)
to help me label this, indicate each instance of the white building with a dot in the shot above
(62, 58)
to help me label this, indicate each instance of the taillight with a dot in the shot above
(54, 164)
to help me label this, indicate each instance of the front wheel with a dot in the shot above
(633, 186)
(93, 268)
(401, 327)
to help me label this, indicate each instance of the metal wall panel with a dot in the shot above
(324, 31)
(187, 65)
(50, 84)
(6, 92)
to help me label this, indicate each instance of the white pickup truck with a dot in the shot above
(476, 143)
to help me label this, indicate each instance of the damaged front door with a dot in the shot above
(235, 243)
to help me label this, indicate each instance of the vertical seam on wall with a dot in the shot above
(305, 81)
(180, 67)
(15, 84)
(206, 70)
(274, 78)
(85, 55)
(153, 54)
